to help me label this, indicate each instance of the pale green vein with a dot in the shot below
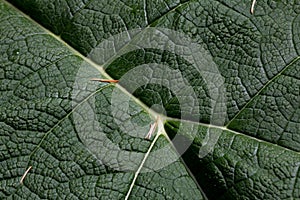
(262, 89)
(66, 116)
(224, 128)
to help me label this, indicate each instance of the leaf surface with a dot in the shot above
(86, 139)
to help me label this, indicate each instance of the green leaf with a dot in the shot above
(221, 85)
(49, 108)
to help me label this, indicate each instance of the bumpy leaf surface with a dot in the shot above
(86, 139)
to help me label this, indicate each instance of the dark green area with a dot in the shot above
(83, 146)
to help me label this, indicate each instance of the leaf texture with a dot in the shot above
(237, 131)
